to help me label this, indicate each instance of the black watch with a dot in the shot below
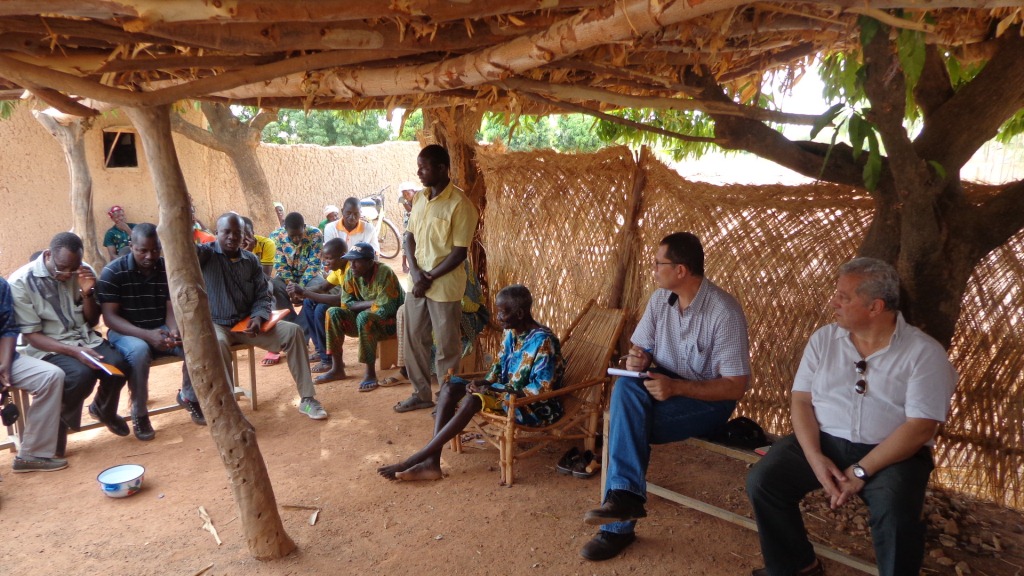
(860, 472)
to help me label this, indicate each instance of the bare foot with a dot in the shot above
(331, 375)
(390, 471)
(421, 471)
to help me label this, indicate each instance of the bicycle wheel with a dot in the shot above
(390, 241)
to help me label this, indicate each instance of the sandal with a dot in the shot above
(391, 381)
(320, 367)
(271, 359)
(413, 403)
(367, 385)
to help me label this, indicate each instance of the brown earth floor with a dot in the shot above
(60, 523)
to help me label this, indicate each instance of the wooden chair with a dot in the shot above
(587, 347)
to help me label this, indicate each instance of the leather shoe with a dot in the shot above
(606, 545)
(619, 506)
(816, 569)
(114, 423)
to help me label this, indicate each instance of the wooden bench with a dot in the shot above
(21, 398)
(748, 523)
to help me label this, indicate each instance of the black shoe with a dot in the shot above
(606, 545)
(115, 423)
(568, 461)
(619, 506)
(143, 429)
(193, 410)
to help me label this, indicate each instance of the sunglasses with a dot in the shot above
(861, 385)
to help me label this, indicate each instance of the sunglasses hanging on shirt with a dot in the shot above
(861, 385)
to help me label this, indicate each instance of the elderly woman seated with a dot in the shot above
(530, 364)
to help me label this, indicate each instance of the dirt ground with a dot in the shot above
(61, 523)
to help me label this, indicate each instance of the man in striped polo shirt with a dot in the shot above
(136, 305)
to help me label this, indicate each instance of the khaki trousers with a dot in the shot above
(424, 317)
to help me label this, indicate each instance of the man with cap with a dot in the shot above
(370, 297)
(331, 213)
(117, 237)
(351, 228)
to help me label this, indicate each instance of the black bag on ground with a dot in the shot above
(740, 432)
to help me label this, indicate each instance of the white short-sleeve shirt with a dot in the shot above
(910, 378)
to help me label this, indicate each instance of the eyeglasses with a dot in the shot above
(862, 385)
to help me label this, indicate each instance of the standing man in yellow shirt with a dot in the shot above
(441, 228)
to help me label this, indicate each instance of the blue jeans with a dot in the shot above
(139, 355)
(637, 420)
(313, 320)
(894, 495)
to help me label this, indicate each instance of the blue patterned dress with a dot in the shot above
(530, 363)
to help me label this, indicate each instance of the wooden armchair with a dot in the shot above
(587, 347)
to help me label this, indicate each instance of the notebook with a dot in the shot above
(275, 317)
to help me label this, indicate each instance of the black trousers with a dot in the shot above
(79, 381)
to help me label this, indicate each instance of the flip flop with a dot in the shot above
(271, 359)
(320, 367)
(391, 381)
(367, 385)
(413, 403)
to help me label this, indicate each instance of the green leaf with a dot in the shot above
(939, 169)
(859, 129)
(825, 119)
(873, 168)
(910, 48)
(868, 28)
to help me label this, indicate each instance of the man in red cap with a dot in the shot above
(117, 237)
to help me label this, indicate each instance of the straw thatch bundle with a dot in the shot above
(576, 227)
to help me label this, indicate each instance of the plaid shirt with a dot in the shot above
(298, 263)
(708, 340)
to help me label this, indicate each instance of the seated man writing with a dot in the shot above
(692, 341)
(530, 363)
(319, 297)
(237, 291)
(868, 398)
(370, 297)
(136, 305)
(56, 311)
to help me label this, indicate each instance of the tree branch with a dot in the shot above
(262, 118)
(934, 87)
(999, 218)
(195, 133)
(717, 106)
(617, 120)
(974, 114)
(807, 158)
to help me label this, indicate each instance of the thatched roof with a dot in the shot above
(508, 54)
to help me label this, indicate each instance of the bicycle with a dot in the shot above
(371, 209)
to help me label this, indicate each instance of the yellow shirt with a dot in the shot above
(264, 250)
(439, 225)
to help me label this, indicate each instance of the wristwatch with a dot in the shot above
(860, 472)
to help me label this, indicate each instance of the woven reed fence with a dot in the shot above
(576, 227)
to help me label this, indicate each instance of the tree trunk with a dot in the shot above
(70, 134)
(239, 141)
(233, 434)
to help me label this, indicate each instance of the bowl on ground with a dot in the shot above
(121, 481)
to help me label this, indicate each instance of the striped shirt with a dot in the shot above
(236, 287)
(8, 325)
(142, 300)
(706, 341)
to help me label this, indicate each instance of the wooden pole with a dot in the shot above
(233, 434)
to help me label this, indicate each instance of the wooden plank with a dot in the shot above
(820, 549)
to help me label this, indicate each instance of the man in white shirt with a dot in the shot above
(868, 397)
(351, 228)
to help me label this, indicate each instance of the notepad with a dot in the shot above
(626, 373)
(275, 317)
(108, 368)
